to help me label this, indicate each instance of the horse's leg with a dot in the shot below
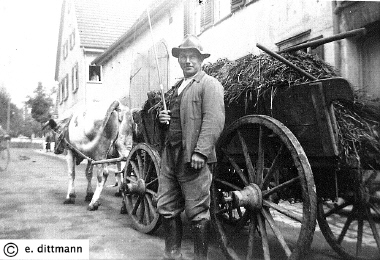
(102, 175)
(119, 176)
(89, 191)
(70, 159)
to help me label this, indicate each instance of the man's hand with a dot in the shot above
(197, 161)
(164, 116)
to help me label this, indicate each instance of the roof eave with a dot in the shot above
(140, 26)
(58, 57)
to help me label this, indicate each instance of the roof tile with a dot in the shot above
(101, 22)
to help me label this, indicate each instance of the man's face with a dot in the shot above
(190, 62)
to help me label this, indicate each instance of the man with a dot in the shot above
(193, 124)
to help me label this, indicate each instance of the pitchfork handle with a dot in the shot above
(283, 60)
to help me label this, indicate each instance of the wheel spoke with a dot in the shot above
(283, 210)
(260, 158)
(276, 164)
(236, 167)
(146, 211)
(130, 179)
(372, 224)
(281, 186)
(264, 237)
(145, 161)
(276, 231)
(152, 182)
(346, 226)
(252, 230)
(336, 209)
(248, 162)
(376, 209)
(135, 169)
(234, 187)
(136, 206)
(147, 170)
(360, 235)
(140, 164)
(151, 208)
(151, 192)
(142, 210)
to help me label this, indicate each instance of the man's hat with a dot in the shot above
(190, 42)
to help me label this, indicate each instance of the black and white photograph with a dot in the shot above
(190, 129)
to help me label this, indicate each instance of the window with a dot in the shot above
(65, 50)
(236, 5)
(200, 15)
(75, 79)
(94, 73)
(207, 14)
(301, 38)
(65, 87)
(60, 92)
(72, 40)
(188, 18)
(222, 9)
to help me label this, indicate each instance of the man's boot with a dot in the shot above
(173, 238)
(201, 230)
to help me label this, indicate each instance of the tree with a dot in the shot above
(41, 104)
(4, 100)
(16, 117)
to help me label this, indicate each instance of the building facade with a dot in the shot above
(231, 29)
(87, 29)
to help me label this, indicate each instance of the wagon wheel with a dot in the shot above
(4, 155)
(352, 224)
(140, 187)
(263, 192)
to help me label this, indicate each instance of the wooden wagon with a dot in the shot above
(277, 173)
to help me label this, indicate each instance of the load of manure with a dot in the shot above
(251, 77)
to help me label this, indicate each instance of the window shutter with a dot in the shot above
(189, 18)
(186, 18)
(207, 13)
(66, 86)
(236, 4)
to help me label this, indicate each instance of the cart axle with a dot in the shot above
(138, 187)
(250, 197)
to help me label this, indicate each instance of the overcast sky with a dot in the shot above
(28, 45)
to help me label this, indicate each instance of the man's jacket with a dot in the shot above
(202, 116)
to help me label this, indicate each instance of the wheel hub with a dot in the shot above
(138, 187)
(250, 197)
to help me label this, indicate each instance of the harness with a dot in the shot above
(79, 156)
(63, 144)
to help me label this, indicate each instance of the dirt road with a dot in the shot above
(31, 207)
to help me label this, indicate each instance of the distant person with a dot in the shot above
(48, 141)
(94, 76)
